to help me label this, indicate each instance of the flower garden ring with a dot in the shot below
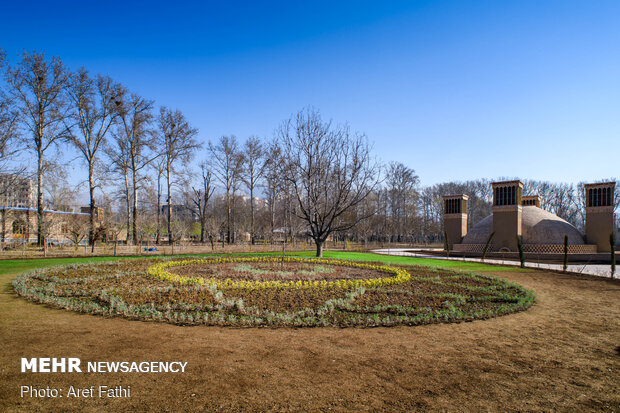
(393, 275)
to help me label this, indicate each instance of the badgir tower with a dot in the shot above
(520, 217)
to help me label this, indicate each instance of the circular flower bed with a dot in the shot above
(269, 291)
(398, 275)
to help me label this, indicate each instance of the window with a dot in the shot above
(19, 227)
(505, 195)
(599, 197)
(452, 206)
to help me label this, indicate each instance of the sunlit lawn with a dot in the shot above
(14, 266)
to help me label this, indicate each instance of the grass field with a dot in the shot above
(12, 266)
(562, 354)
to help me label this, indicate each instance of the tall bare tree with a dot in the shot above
(36, 87)
(401, 185)
(158, 166)
(227, 162)
(330, 171)
(200, 197)
(134, 142)
(120, 167)
(11, 144)
(273, 182)
(253, 172)
(9, 123)
(177, 143)
(93, 111)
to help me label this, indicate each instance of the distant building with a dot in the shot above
(99, 216)
(18, 215)
(17, 191)
(520, 217)
(19, 225)
(179, 213)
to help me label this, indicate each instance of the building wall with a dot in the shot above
(16, 191)
(19, 225)
(455, 226)
(599, 226)
(600, 214)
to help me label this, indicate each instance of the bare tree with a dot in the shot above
(36, 87)
(199, 198)
(119, 167)
(177, 143)
(77, 228)
(227, 163)
(330, 171)
(159, 167)
(9, 122)
(58, 194)
(133, 140)
(253, 172)
(401, 184)
(273, 182)
(11, 142)
(93, 111)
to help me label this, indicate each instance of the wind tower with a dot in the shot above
(507, 212)
(600, 214)
(455, 218)
(531, 200)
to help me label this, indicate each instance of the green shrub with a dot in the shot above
(612, 244)
(565, 252)
(521, 255)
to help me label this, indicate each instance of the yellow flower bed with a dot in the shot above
(160, 271)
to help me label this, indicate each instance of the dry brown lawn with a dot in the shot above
(563, 354)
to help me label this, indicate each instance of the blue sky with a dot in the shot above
(454, 89)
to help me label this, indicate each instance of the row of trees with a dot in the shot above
(45, 106)
(313, 179)
(324, 170)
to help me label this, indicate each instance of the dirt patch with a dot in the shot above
(561, 355)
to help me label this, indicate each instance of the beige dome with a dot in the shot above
(538, 227)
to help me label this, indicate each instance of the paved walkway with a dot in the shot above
(590, 269)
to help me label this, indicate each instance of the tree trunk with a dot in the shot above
(40, 235)
(91, 190)
(128, 210)
(3, 212)
(158, 212)
(252, 214)
(170, 236)
(233, 209)
(135, 210)
(319, 248)
(227, 217)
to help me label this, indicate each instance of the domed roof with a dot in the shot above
(538, 227)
